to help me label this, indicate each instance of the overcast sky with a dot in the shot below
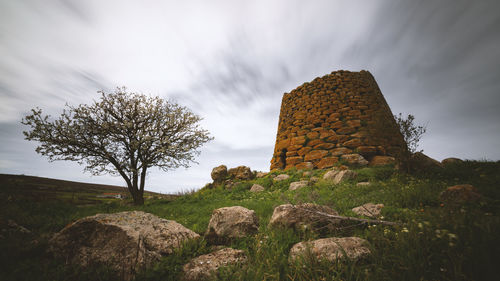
(231, 62)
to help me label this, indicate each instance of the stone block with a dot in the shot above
(327, 162)
(315, 154)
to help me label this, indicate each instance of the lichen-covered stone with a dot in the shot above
(257, 188)
(231, 222)
(338, 176)
(369, 209)
(126, 241)
(382, 161)
(298, 184)
(354, 159)
(331, 249)
(327, 162)
(219, 174)
(204, 267)
(305, 216)
(241, 173)
(281, 177)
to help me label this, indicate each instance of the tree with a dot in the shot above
(122, 134)
(412, 133)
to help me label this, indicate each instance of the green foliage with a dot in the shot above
(123, 134)
(432, 242)
(412, 133)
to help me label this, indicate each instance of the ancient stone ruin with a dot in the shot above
(333, 117)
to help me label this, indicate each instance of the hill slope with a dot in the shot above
(431, 241)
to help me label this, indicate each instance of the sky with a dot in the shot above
(231, 61)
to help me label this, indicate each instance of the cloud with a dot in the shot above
(231, 61)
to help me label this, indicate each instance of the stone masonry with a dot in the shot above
(340, 113)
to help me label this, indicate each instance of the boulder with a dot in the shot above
(281, 177)
(298, 184)
(241, 173)
(204, 267)
(451, 160)
(304, 216)
(229, 184)
(231, 222)
(422, 162)
(126, 241)
(219, 174)
(337, 176)
(261, 174)
(369, 209)
(331, 249)
(382, 160)
(257, 188)
(354, 159)
(459, 194)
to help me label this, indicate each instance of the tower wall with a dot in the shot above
(340, 113)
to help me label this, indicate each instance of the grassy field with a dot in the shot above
(433, 242)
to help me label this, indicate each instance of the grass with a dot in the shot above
(433, 242)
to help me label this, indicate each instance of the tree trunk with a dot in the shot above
(138, 199)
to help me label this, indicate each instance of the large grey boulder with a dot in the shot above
(126, 241)
(231, 222)
(204, 267)
(331, 249)
(305, 216)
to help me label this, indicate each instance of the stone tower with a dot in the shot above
(333, 117)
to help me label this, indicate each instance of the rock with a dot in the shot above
(340, 151)
(219, 174)
(330, 175)
(231, 222)
(337, 176)
(307, 173)
(126, 241)
(257, 188)
(204, 267)
(305, 166)
(327, 162)
(451, 160)
(422, 162)
(354, 159)
(314, 179)
(382, 161)
(459, 194)
(315, 154)
(229, 184)
(369, 209)
(281, 177)
(261, 174)
(241, 173)
(298, 184)
(331, 249)
(308, 215)
(364, 183)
